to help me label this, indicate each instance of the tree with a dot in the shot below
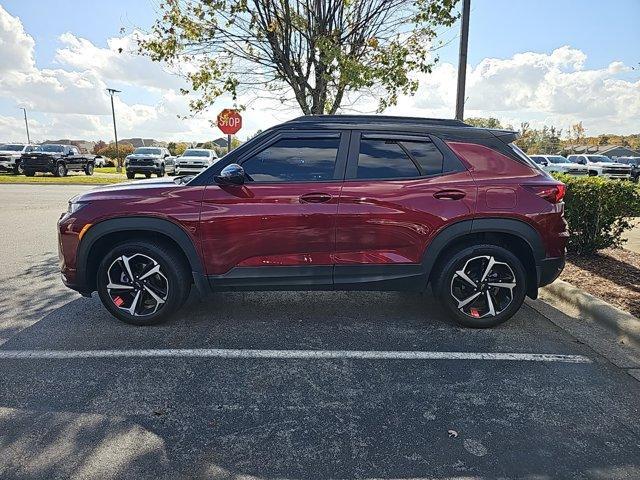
(320, 54)
(177, 149)
(98, 146)
(483, 122)
(109, 151)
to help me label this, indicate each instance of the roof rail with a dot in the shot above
(377, 119)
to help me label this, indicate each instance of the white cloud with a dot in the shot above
(70, 101)
(542, 88)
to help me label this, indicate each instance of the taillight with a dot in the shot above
(551, 193)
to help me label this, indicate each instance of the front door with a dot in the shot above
(279, 227)
(399, 190)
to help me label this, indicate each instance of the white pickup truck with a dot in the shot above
(10, 154)
(559, 164)
(602, 166)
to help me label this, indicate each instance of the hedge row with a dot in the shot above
(598, 211)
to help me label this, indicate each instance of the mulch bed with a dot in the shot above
(612, 274)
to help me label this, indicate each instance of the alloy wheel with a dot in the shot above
(137, 285)
(483, 287)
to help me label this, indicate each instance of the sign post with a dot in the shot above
(229, 121)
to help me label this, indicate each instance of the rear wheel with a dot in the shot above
(61, 170)
(143, 283)
(481, 286)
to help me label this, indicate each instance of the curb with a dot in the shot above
(625, 326)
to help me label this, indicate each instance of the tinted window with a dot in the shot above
(384, 159)
(291, 160)
(427, 155)
(536, 159)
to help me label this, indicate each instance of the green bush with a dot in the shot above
(598, 211)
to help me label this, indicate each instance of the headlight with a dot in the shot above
(74, 207)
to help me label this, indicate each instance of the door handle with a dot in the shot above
(315, 198)
(449, 195)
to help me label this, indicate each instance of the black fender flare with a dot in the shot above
(460, 229)
(145, 224)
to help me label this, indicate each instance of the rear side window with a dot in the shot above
(294, 160)
(386, 159)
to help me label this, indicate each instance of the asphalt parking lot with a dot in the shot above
(288, 384)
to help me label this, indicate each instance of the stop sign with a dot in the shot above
(229, 121)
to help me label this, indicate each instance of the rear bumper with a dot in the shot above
(549, 269)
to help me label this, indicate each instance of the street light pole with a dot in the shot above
(113, 91)
(462, 61)
(26, 124)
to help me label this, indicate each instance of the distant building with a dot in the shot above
(143, 142)
(220, 142)
(610, 151)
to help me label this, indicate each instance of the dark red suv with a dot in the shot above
(329, 203)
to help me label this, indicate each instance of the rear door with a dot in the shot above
(279, 227)
(399, 191)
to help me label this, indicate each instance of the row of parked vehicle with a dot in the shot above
(625, 168)
(158, 161)
(23, 159)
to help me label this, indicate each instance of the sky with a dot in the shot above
(546, 62)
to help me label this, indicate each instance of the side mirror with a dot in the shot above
(231, 175)
(544, 163)
(166, 155)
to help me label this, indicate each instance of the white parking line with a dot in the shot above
(290, 354)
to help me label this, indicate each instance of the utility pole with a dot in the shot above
(26, 124)
(462, 62)
(113, 91)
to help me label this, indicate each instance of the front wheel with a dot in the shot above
(61, 170)
(481, 286)
(161, 172)
(17, 169)
(147, 175)
(143, 283)
(88, 170)
(29, 173)
(131, 175)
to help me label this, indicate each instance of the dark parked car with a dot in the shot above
(634, 162)
(329, 203)
(147, 160)
(56, 159)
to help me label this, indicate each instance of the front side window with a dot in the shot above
(386, 159)
(294, 160)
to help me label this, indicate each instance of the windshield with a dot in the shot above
(557, 159)
(50, 148)
(195, 153)
(146, 151)
(598, 158)
(12, 147)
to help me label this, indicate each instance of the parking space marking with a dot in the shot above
(290, 354)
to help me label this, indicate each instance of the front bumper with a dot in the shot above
(143, 168)
(7, 165)
(188, 170)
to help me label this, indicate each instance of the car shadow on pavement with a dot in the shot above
(225, 418)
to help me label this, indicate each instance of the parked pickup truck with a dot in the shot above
(10, 154)
(57, 159)
(602, 166)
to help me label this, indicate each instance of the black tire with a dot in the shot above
(61, 170)
(29, 173)
(172, 266)
(147, 175)
(131, 175)
(471, 257)
(88, 169)
(161, 173)
(17, 169)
